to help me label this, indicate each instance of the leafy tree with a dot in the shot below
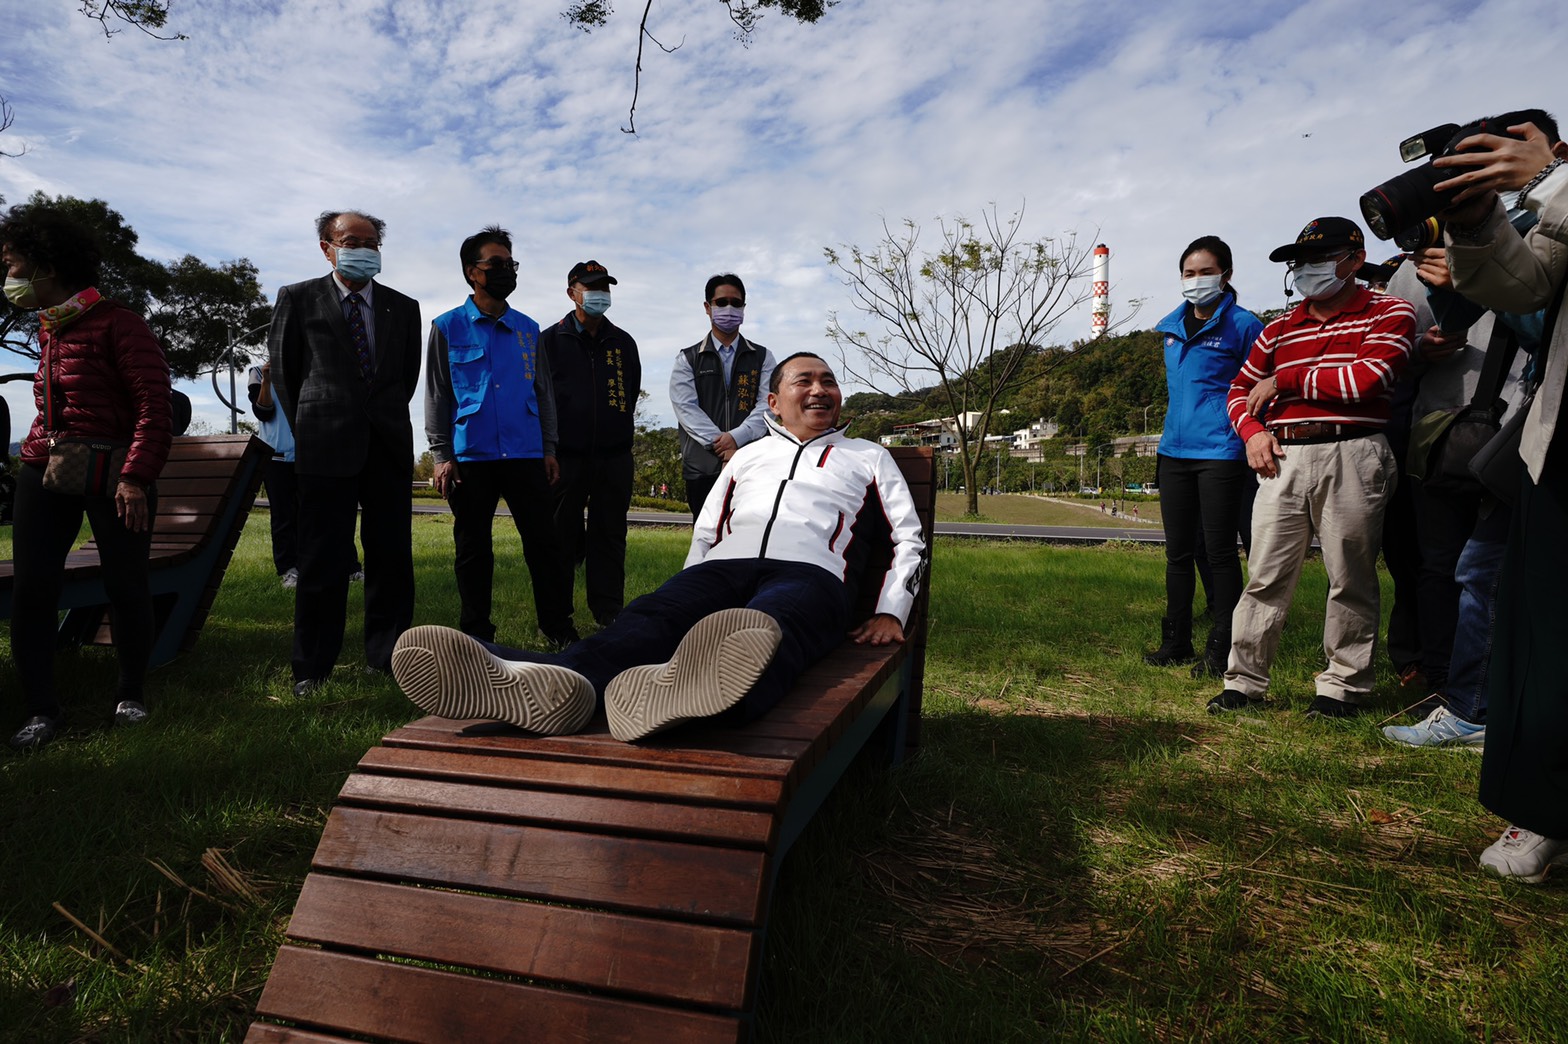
(656, 454)
(147, 15)
(966, 317)
(192, 306)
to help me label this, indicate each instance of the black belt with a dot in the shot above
(1320, 431)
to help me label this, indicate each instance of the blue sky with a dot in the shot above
(1138, 124)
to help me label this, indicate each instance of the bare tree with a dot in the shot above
(965, 317)
(589, 15)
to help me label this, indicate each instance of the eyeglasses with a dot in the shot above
(356, 244)
(729, 302)
(1335, 258)
(497, 263)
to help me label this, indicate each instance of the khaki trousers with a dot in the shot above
(1336, 491)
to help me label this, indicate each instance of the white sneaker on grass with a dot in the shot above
(1524, 855)
(1439, 729)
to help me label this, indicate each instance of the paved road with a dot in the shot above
(1047, 534)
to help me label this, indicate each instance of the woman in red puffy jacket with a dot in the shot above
(101, 374)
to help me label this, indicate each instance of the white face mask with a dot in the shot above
(1200, 290)
(21, 292)
(1316, 281)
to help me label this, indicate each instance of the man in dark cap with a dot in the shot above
(1311, 403)
(597, 376)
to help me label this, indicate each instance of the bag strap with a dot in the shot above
(1500, 352)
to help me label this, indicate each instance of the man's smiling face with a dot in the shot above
(808, 400)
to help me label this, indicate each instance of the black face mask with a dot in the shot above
(500, 282)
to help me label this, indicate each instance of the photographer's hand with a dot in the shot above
(1432, 268)
(1497, 163)
(1435, 345)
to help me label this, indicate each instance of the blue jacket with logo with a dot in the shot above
(487, 396)
(1198, 372)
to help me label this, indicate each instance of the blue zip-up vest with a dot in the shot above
(492, 365)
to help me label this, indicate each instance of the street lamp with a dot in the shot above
(232, 402)
(1146, 418)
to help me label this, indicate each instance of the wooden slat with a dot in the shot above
(271, 1033)
(668, 784)
(607, 815)
(687, 963)
(636, 875)
(407, 1003)
(446, 734)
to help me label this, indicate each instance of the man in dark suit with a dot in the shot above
(345, 363)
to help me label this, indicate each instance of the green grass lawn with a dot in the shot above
(1077, 852)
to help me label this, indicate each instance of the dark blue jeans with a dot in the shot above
(810, 604)
(1480, 565)
(1444, 522)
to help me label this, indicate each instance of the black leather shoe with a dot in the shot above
(306, 686)
(560, 639)
(1234, 700)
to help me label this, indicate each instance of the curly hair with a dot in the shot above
(48, 238)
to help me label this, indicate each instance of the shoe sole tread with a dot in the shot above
(449, 674)
(714, 666)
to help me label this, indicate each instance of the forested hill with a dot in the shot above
(1100, 387)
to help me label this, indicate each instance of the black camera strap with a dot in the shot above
(1500, 352)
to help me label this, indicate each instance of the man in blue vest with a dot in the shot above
(717, 387)
(490, 419)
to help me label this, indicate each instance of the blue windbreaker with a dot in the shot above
(1198, 373)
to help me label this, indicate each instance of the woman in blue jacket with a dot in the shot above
(1203, 474)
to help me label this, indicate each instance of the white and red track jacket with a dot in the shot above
(812, 502)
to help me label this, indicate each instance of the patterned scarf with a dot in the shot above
(57, 318)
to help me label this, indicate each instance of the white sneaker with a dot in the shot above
(450, 675)
(1439, 729)
(714, 667)
(129, 712)
(1524, 854)
(290, 580)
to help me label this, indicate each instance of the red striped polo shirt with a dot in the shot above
(1339, 370)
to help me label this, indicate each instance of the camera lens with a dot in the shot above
(1403, 202)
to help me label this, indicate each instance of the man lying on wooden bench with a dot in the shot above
(764, 594)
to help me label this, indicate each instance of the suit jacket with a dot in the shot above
(316, 376)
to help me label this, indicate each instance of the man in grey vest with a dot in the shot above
(717, 387)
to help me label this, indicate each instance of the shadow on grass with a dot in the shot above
(963, 877)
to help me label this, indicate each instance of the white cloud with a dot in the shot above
(1140, 125)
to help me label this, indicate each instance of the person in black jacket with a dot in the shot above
(597, 376)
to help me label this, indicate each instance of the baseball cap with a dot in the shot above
(1322, 234)
(586, 272)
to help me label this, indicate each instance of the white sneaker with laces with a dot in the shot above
(1524, 854)
(1439, 729)
(290, 579)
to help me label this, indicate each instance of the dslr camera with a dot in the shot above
(1404, 208)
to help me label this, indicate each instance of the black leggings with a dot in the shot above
(45, 529)
(1202, 496)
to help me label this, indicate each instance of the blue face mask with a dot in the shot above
(596, 302)
(358, 264)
